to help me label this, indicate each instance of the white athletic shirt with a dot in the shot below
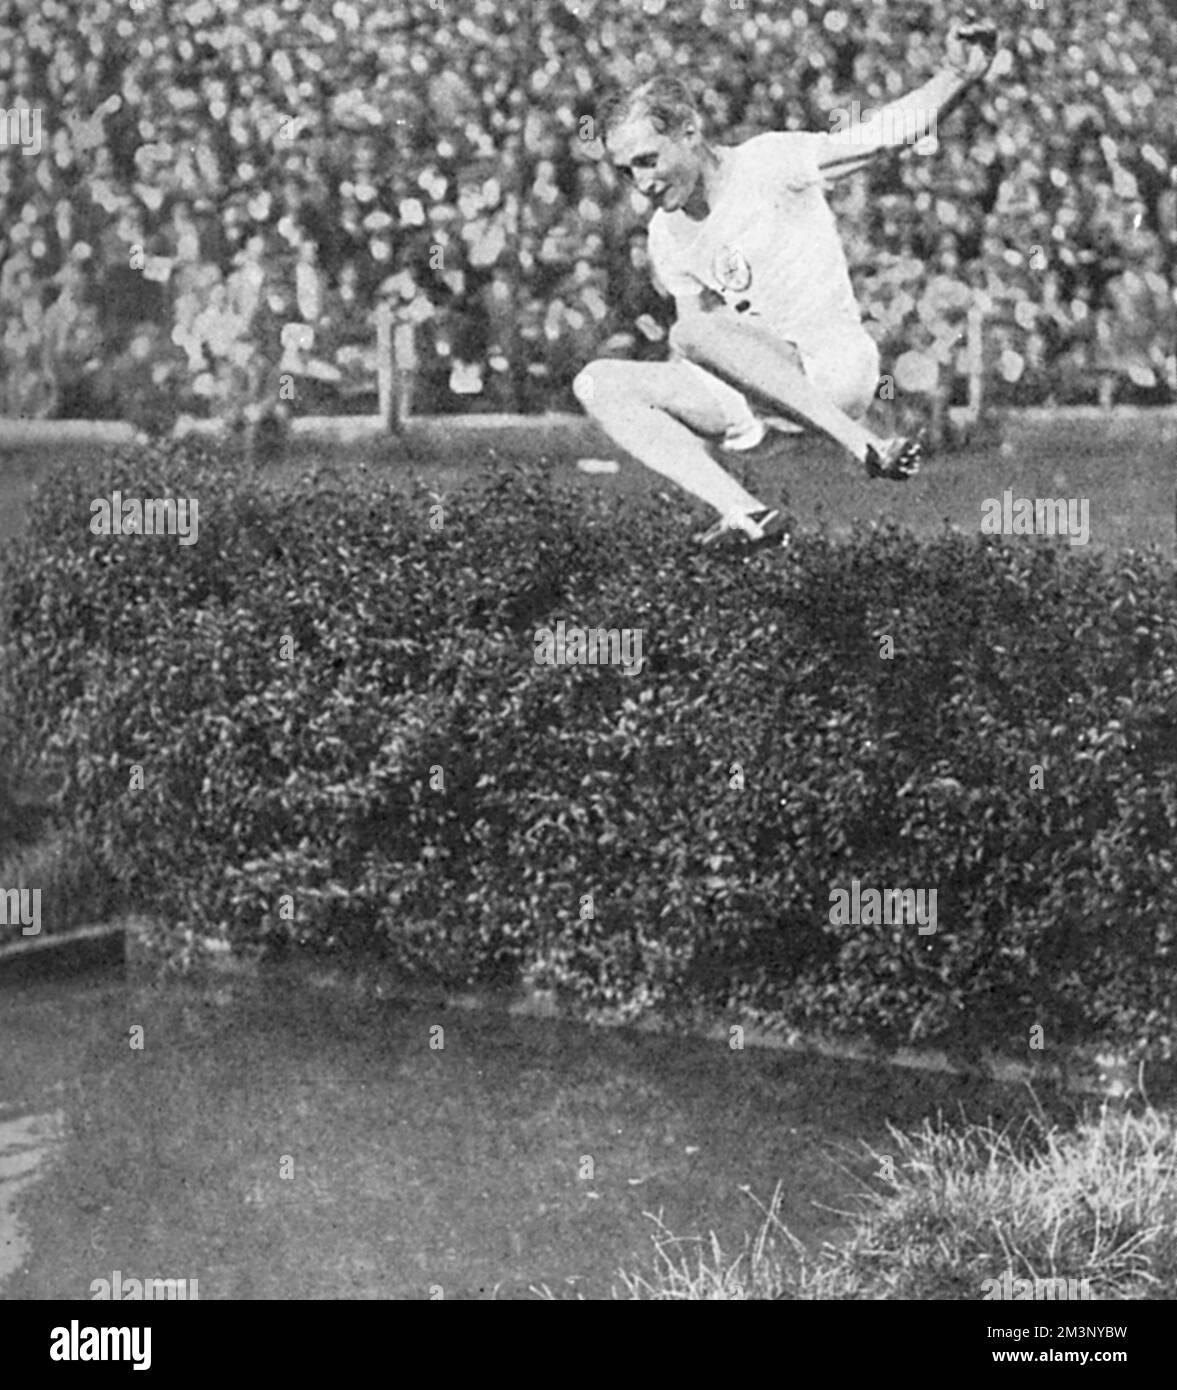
(769, 243)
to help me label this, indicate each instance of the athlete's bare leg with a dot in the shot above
(657, 411)
(746, 353)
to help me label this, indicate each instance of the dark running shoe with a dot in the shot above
(898, 461)
(766, 529)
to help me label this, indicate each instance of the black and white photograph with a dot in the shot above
(588, 662)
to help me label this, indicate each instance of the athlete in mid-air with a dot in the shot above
(743, 239)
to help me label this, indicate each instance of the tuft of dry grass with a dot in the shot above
(959, 1206)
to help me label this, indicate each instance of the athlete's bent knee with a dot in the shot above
(584, 386)
(600, 381)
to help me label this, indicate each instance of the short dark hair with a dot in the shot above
(666, 101)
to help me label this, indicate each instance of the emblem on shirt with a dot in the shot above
(732, 269)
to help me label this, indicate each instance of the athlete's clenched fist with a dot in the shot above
(971, 46)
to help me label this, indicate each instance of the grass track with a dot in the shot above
(1126, 468)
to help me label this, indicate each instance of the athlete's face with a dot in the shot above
(664, 168)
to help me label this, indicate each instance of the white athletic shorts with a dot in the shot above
(845, 372)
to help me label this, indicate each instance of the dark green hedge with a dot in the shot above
(414, 650)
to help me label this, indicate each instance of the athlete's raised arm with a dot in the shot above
(971, 47)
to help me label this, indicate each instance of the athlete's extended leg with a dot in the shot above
(744, 351)
(656, 411)
(748, 353)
